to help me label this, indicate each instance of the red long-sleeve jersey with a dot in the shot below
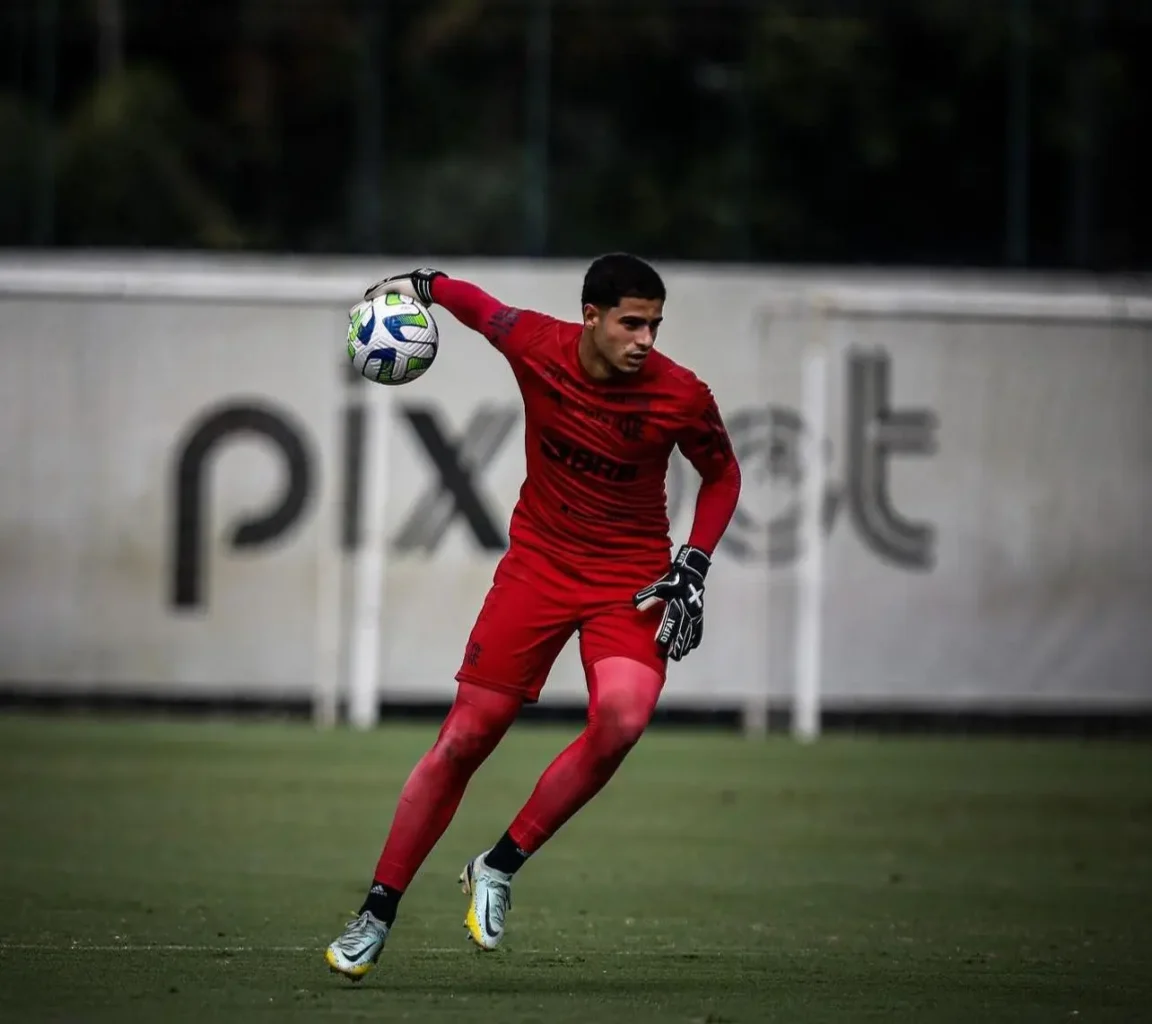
(593, 504)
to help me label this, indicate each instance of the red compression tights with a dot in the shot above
(477, 722)
(622, 695)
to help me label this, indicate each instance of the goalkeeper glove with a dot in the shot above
(416, 284)
(682, 591)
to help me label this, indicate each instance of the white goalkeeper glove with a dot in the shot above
(682, 591)
(416, 284)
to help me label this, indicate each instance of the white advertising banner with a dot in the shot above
(164, 509)
(985, 512)
(183, 461)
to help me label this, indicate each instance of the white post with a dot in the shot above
(754, 715)
(326, 668)
(810, 570)
(366, 617)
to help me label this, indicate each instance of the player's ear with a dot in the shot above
(591, 315)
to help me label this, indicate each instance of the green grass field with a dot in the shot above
(194, 871)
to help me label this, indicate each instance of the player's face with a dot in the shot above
(625, 334)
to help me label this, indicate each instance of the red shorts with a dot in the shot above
(530, 613)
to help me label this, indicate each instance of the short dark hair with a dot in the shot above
(620, 275)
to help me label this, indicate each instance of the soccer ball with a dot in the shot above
(392, 339)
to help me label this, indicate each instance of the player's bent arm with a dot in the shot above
(706, 445)
(704, 440)
(715, 506)
(682, 588)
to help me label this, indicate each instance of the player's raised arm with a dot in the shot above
(472, 306)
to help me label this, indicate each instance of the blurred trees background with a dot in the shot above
(946, 132)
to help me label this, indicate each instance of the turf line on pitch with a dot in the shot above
(35, 947)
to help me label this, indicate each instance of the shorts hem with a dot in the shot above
(656, 662)
(491, 684)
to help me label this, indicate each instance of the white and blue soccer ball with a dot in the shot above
(392, 339)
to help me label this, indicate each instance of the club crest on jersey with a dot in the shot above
(631, 426)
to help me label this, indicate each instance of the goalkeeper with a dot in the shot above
(589, 554)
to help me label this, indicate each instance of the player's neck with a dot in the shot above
(593, 363)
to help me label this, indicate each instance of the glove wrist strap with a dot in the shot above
(693, 559)
(422, 282)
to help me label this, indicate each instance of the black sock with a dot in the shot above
(505, 856)
(382, 901)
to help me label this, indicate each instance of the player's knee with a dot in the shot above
(619, 726)
(478, 720)
(624, 695)
(631, 725)
(467, 744)
(461, 749)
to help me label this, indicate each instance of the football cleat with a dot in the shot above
(491, 893)
(354, 953)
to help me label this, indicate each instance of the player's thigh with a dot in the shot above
(517, 636)
(618, 630)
